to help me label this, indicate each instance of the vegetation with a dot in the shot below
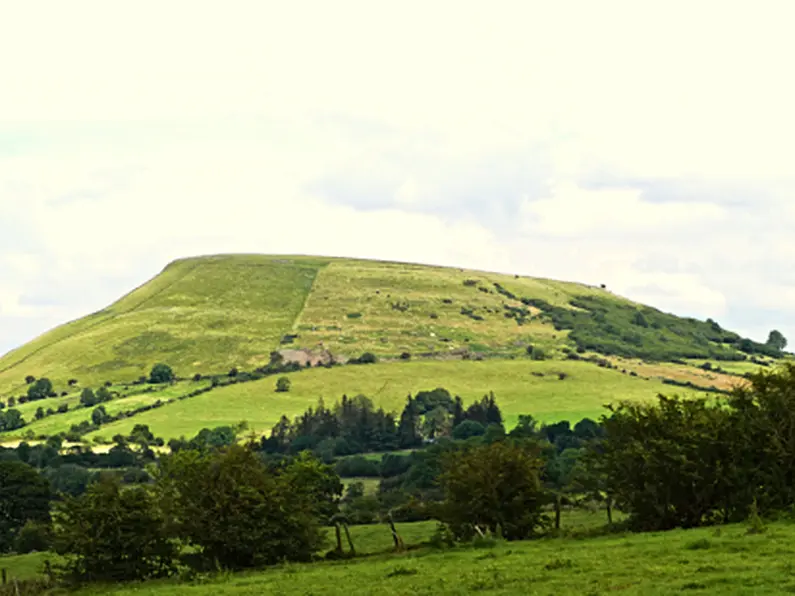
(234, 311)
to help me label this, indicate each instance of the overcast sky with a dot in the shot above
(644, 145)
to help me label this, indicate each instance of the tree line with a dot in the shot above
(669, 463)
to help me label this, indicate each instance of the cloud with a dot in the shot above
(642, 147)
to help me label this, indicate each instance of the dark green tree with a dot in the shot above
(494, 488)
(776, 340)
(11, 419)
(114, 534)
(40, 389)
(239, 513)
(87, 397)
(283, 385)
(161, 373)
(24, 496)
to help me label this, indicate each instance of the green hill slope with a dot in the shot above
(209, 314)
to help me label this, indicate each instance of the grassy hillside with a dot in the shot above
(209, 314)
(521, 387)
(199, 314)
(727, 561)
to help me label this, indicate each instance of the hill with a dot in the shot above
(468, 331)
(210, 314)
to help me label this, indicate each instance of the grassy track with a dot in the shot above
(583, 393)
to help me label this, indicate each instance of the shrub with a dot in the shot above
(366, 358)
(197, 377)
(114, 534)
(537, 354)
(496, 487)
(161, 373)
(354, 315)
(33, 537)
(283, 385)
(405, 356)
(357, 466)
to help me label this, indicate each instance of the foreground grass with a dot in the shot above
(709, 560)
(521, 386)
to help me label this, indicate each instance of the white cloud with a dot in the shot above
(133, 135)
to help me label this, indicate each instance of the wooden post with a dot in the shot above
(609, 510)
(557, 512)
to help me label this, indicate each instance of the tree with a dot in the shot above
(29, 379)
(239, 513)
(467, 429)
(493, 487)
(161, 373)
(776, 340)
(671, 464)
(40, 389)
(99, 416)
(24, 496)
(11, 419)
(408, 427)
(283, 385)
(69, 479)
(114, 534)
(39, 413)
(87, 397)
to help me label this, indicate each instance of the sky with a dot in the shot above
(644, 145)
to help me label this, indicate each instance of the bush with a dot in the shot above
(161, 373)
(114, 534)
(357, 466)
(283, 385)
(33, 537)
(536, 353)
(467, 429)
(405, 356)
(496, 487)
(240, 513)
(366, 358)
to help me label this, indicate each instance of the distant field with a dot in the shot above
(584, 392)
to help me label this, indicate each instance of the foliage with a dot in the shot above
(24, 496)
(776, 340)
(283, 384)
(11, 419)
(40, 389)
(114, 534)
(161, 373)
(496, 488)
(240, 514)
(33, 537)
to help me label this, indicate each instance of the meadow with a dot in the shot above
(520, 386)
(716, 560)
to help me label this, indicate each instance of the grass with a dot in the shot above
(205, 314)
(701, 561)
(583, 393)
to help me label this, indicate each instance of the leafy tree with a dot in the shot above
(408, 427)
(33, 537)
(24, 496)
(99, 416)
(776, 340)
(467, 429)
(670, 464)
(39, 413)
(283, 385)
(40, 389)
(103, 395)
(436, 423)
(493, 487)
(29, 379)
(161, 373)
(237, 512)
(69, 479)
(87, 397)
(114, 534)
(11, 419)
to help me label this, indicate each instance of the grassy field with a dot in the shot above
(518, 390)
(725, 560)
(206, 314)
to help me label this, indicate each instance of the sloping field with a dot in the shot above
(517, 384)
(206, 314)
